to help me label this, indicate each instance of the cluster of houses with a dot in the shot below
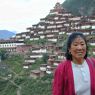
(54, 29)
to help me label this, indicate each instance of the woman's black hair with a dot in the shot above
(70, 39)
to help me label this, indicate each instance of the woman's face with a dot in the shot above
(78, 48)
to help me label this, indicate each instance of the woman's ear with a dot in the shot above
(69, 51)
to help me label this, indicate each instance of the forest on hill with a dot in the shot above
(80, 7)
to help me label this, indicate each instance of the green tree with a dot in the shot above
(3, 54)
(27, 42)
(90, 50)
(45, 57)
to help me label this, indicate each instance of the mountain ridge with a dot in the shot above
(6, 34)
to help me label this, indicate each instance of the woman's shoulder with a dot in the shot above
(90, 58)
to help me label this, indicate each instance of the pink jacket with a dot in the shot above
(63, 83)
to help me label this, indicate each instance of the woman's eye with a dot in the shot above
(82, 44)
(75, 44)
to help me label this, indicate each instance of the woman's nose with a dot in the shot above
(79, 47)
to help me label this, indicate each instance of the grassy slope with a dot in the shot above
(29, 86)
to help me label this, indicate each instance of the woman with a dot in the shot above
(76, 74)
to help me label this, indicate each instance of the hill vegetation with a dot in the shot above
(80, 7)
(14, 80)
(26, 86)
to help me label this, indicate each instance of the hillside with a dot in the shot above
(5, 34)
(80, 7)
(20, 80)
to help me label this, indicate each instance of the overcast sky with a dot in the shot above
(17, 15)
